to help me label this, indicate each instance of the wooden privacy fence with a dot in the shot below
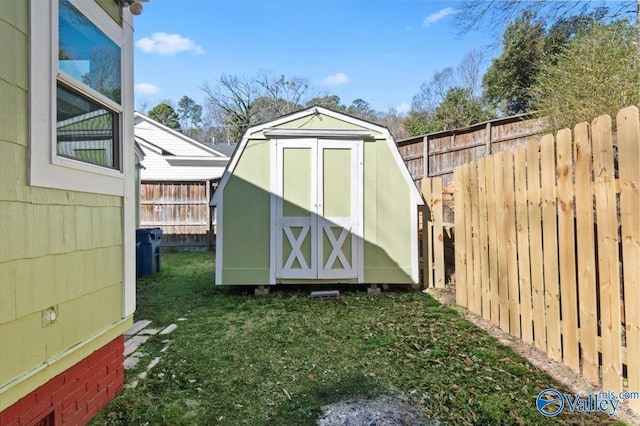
(436, 154)
(434, 235)
(181, 210)
(548, 247)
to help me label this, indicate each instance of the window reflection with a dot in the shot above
(85, 129)
(87, 54)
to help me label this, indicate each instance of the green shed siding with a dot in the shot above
(246, 218)
(387, 221)
(388, 227)
(320, 121)
(58, 248)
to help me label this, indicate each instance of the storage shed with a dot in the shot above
(316, 197)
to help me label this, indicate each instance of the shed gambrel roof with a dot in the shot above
(171, 156)
(278, 127)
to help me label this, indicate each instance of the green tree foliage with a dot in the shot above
(189, 113)
(508, 80)
(417, 123)
(527, 43)
(361, 109)
(459, 109)
(165, 114)
(597, 72)
(332, 102)
(432, 109)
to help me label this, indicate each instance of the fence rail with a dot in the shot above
(548, 246)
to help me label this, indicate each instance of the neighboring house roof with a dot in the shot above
(171, 156)
(227, 148)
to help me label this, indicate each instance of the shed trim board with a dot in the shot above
(331, 133)
(316, 140)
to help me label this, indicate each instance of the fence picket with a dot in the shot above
(482, 237)
(427, 234)
(476, 306)
(461, 284)
(566, 251)
(629, 158)
(493, 241)
(535, 250)
(608, 271)
(522, 230)
(437, 235)
(550, 246)
(511, 247)
(468, 239)
(586, 257)
(503, 274)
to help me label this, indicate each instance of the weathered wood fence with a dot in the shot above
(435, 235)
(181, 210)
(548, 246)
(437, 154)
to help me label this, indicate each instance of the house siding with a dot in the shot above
(59, 248)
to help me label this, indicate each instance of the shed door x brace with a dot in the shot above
(318, 209)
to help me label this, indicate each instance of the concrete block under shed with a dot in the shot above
(325, 295)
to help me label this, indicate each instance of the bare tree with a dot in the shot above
(395, 123)
(282, 95)
(233, 98)
(142, 105)
(469, 71)
(434, 91)
(495, 14)
(238, 102)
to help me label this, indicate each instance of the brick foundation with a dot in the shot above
(74, 396)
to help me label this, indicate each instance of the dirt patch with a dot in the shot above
(380, 411)
(560, 372)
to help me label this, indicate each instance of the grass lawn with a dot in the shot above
(239, 359)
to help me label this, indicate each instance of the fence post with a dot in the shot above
(487, 139)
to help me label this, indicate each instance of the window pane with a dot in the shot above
(85, 129)
(86, 53)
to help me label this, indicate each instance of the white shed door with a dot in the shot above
(318, 203)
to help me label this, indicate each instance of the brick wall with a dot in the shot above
(74, 396)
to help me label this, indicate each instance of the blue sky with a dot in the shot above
(377, 50)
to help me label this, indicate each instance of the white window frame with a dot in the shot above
(47, 168)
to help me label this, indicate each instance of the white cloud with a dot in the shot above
(146, 89)
(403, 108)
(336, 79)
(168, 44)
(435, 17)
